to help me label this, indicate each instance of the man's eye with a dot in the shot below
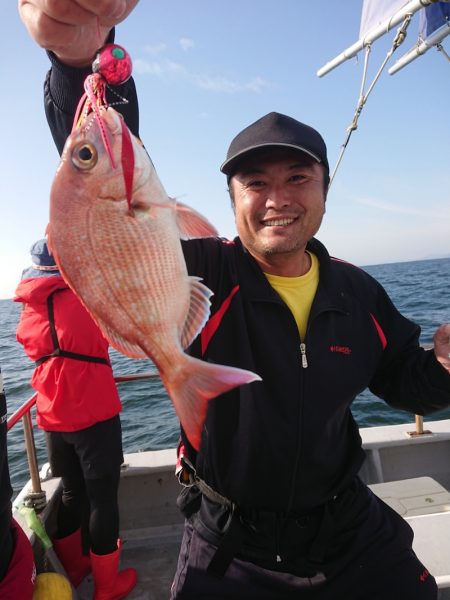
(256, 183)
(297, 178)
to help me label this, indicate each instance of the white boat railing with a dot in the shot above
(36, 497)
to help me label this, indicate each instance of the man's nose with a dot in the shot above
(277, 198)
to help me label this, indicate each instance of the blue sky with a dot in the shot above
(205, 70)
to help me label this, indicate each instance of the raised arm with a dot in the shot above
(73, 29)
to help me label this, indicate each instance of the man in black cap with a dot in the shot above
(275, 226)
(273, 503)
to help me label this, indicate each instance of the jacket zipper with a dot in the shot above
(303, 353)
(304, 364)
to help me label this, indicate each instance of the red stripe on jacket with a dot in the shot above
(213, 323)
(380, 332)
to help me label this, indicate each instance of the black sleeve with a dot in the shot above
(63, 89)
(409, 377)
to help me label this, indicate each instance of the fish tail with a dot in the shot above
(198, 383)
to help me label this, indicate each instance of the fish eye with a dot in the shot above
(84, 156)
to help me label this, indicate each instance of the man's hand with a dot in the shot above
(441, 341)
(73, 29)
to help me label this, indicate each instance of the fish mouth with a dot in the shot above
(278, 222)
(137, 187)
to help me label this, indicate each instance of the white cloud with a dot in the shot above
(165, 67)
(257, 84)
(186, 44)
(222, 84)
(155, 50)
(145, 67)
(173, 67)
(405, 210)
(158, 68)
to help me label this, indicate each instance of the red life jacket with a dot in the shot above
(21, 575)
(73, 376)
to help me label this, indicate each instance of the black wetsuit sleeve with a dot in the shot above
(63, 88)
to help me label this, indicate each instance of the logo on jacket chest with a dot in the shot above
(340, 349)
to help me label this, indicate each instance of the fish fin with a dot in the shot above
(120, 343)
(198, 312)
(198, 383)
(192, 224)
(49, 239)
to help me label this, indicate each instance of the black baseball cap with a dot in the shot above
(275, 130)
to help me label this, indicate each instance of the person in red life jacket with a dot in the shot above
(78, 407)
(17, 569)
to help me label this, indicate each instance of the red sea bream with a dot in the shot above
(115, 236)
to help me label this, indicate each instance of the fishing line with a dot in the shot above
(398, 40)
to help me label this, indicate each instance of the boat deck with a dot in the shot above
(410, 474)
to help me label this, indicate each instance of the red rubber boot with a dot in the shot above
(110, 584)
(69, 551)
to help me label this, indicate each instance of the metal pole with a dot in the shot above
(419, 425)
(31, 453)
(419, 431)
(421, 48)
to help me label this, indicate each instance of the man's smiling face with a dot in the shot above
(279, 202)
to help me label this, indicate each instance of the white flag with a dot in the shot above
(375, 12)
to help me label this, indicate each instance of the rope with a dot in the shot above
(36, 500)
(398, 40)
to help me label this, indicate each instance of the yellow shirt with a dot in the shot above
(298, 292)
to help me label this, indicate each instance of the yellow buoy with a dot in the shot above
(52, 586)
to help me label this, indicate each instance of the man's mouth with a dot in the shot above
(277, 222)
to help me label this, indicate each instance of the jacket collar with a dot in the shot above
(251, 279)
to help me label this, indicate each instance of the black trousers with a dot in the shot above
(369, 557)
(372, 577)
(88, 462)
(6, 542)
